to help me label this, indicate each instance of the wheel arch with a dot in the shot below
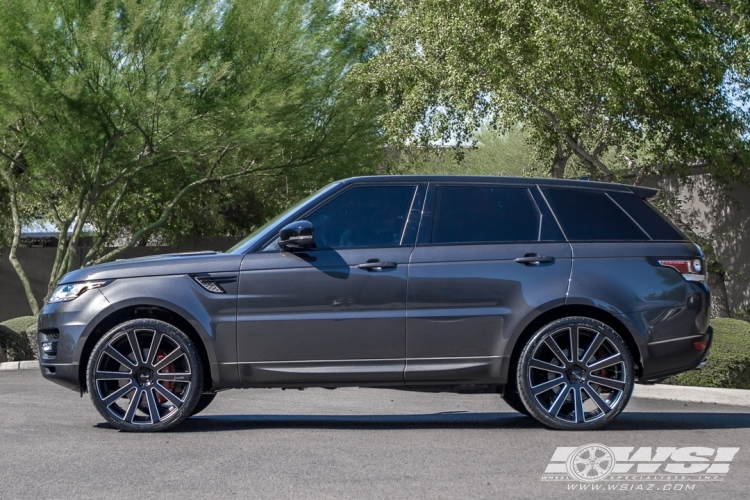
(565, 311)
(143, 311)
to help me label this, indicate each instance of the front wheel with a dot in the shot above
(145, 375)
(575, 373)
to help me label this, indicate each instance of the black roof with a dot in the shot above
(640, 191)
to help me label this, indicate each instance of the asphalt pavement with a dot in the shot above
(345, 443)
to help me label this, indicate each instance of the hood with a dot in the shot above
(158, 265)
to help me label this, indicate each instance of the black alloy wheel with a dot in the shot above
(575, 373)
(145, 375)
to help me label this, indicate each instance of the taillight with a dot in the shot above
(691, 269)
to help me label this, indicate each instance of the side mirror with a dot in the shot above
(297, 236)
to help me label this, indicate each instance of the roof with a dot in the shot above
(640, 191)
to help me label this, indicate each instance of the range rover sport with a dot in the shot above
(557, 294)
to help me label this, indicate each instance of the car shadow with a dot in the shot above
(630, 421)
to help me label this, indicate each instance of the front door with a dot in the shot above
(335, 312)
(487, 256)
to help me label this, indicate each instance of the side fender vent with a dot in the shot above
(213, 283)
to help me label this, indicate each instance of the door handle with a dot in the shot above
(377, 265)
(533, 259)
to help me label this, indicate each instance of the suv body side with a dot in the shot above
(464, 307)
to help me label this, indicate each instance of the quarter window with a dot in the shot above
(591, 216)
(484, 214)
(368, 216)
(647, 217)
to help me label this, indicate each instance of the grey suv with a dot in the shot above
(557, 294)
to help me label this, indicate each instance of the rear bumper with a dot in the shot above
(676, 356)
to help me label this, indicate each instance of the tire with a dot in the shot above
(145, 375)
(205, 400)
(576, 373)
(513, 399)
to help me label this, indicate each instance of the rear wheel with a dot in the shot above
(145, 375)
(575, 373)
(203, 402)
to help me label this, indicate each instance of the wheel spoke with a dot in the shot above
(557, 404)
(104, 375)
(118, 394)
(546, 386)
(172, 377)
(135, 346)
(130, 413)
(603, 406)
(119, 357)
(547, 367)
(169, 359)
(574, 338)
(153, 409)
(604, 363)
(612, 384)
(593, 347)
(155, 341)
(550, 342)
(578, 405)
(172, 397)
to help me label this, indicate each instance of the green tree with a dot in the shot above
(120, 114)
(626, 88)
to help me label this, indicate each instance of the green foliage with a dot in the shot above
(506, 154)
(626, 88)
(144, 120)
(728, 360)
(14, 342)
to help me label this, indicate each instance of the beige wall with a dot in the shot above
(37, 262)
(709, 212)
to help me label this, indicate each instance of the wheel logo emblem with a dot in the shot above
(591, 462)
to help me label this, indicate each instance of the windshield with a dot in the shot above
(262, 232)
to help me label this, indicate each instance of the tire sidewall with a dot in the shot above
(177, 336)
(524, 390)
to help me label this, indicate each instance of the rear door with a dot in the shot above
(487, 255)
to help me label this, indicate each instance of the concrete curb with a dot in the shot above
(19, 365)
(687, 394)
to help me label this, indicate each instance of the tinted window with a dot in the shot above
(363, 217)
(465, 214)
(647, 217)
(591, 216)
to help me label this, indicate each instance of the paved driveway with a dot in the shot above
(346, 443)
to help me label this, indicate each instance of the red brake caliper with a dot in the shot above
(167, 369)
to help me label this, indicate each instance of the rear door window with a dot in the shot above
(484, 214)
(592, 216)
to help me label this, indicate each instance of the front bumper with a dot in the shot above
(64, 324)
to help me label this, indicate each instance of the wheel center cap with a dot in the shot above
(144, 377)
(577, 374)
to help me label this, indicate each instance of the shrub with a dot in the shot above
(15, 345)
(728, 360)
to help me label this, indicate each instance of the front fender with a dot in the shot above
(212, 316)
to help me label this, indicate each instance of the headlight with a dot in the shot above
(64, 293)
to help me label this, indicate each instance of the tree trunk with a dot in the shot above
(559, 162)
(13, 257)
(719, 297)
